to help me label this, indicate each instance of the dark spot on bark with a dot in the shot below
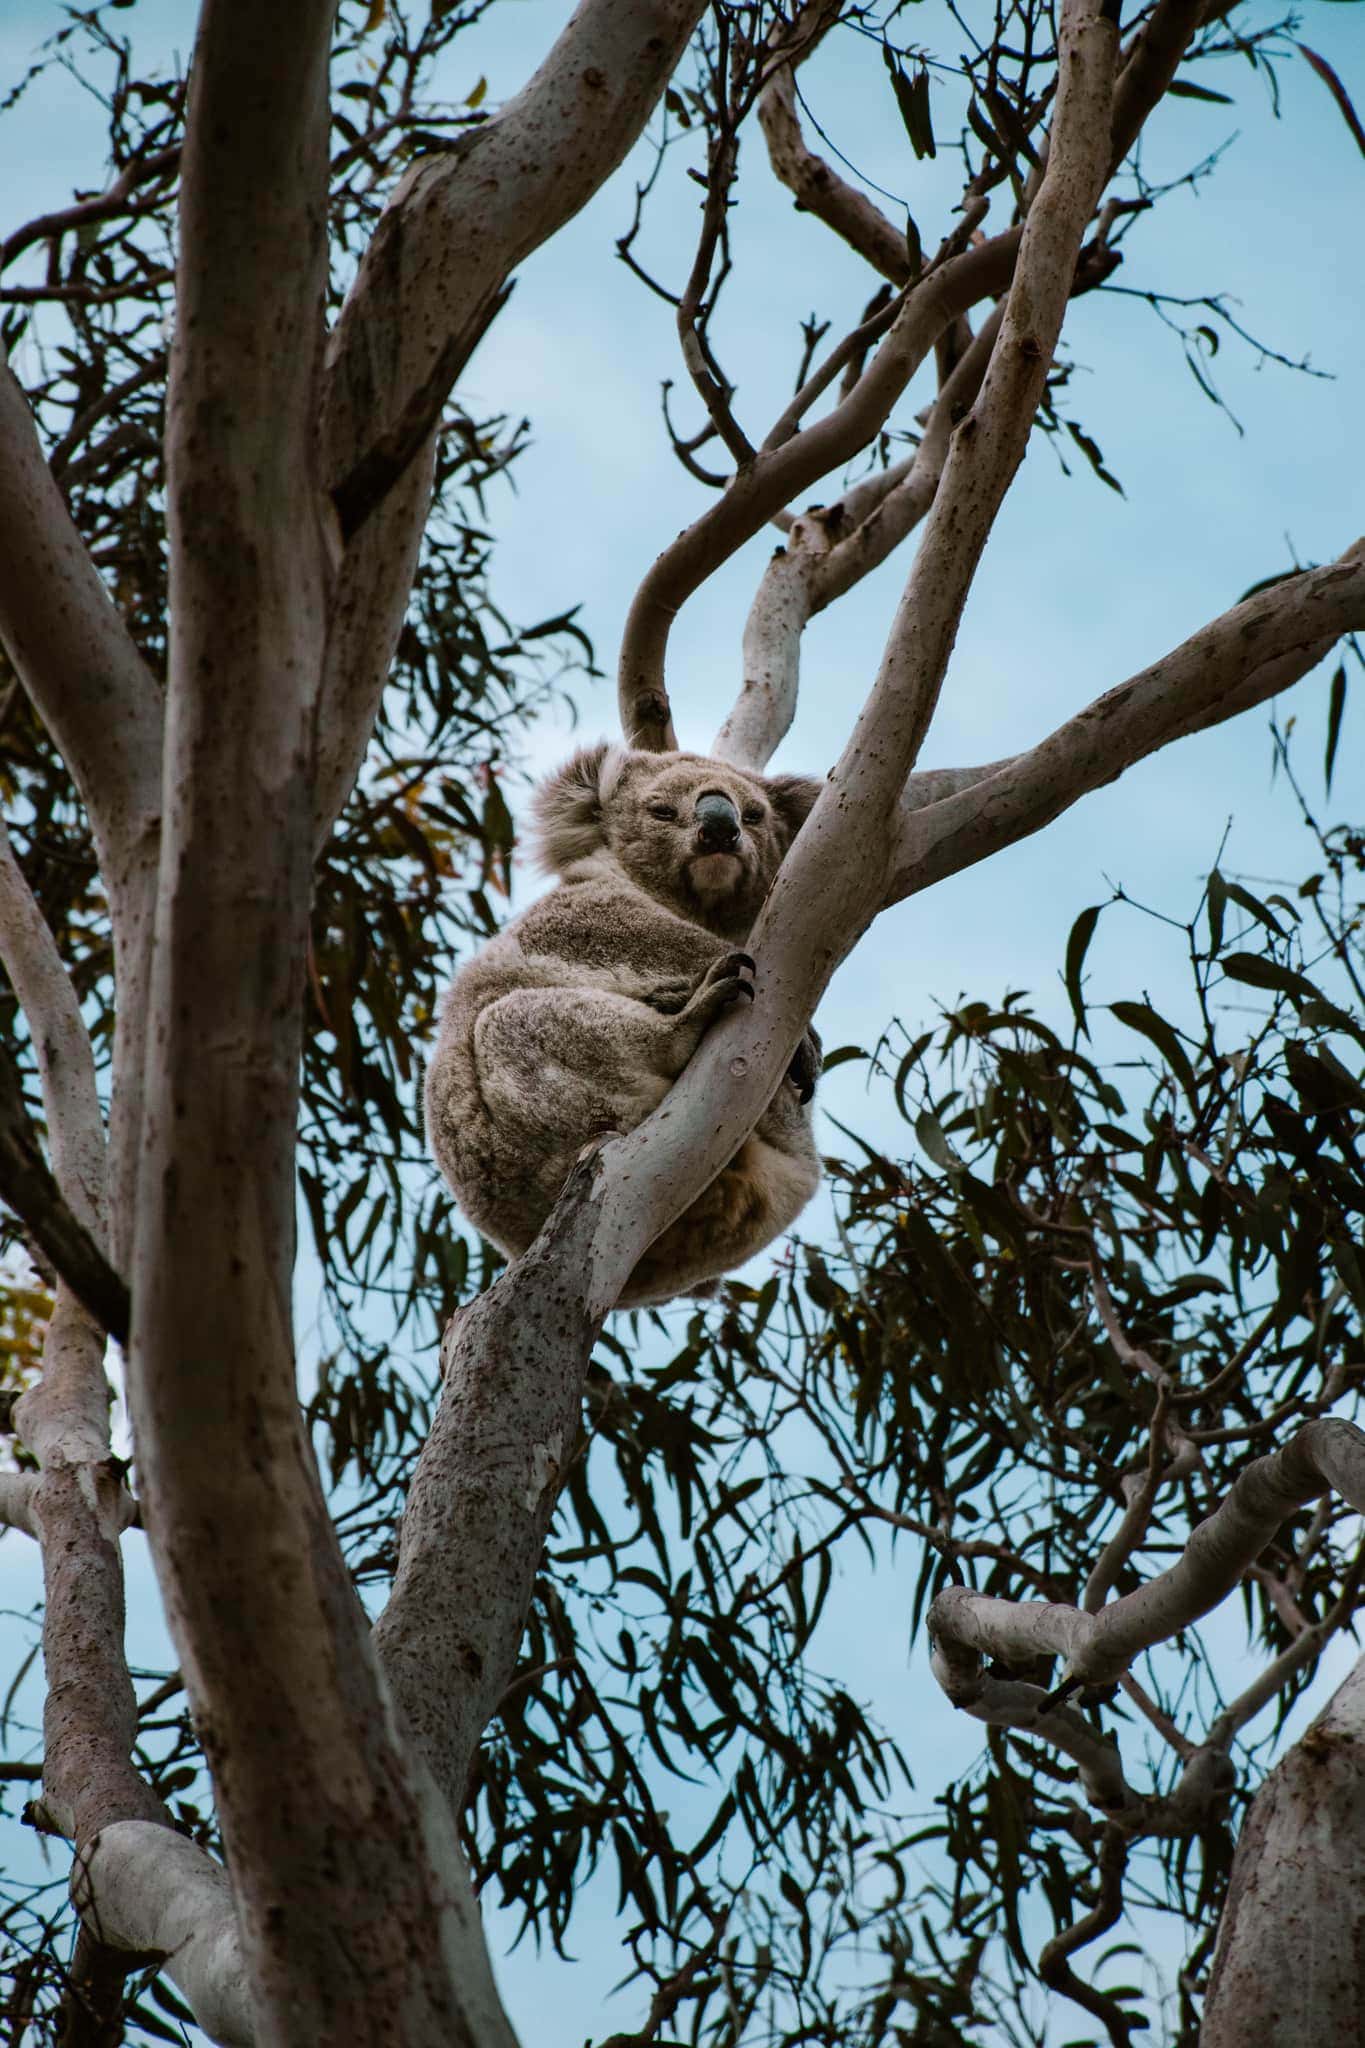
(1031, 349)
(594, 78)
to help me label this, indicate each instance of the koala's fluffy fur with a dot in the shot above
(579, 1016)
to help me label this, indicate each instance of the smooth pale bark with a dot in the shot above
(64, 1208)
(430, 280)
(78, 1504)
(827, 552)
(71, 649)
(1096, 1648)
(485, 1486)
(16, 1501)
(1290, 1962)
(1248, 655)
(346, 1872)
(101, 704)
(154, 1892)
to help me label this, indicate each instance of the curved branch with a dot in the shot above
(967, 1627)
(61, 1043)
(64, 1209)
(816, 187)
(149, 1890)
(428, 285)
(827, 552)
(16, 1502)
(71, 649)
(778, 475)
(1249, 654)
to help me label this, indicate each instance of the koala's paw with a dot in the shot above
(725, 981)
(804, 1070)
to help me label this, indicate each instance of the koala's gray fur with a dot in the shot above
(577, 1019)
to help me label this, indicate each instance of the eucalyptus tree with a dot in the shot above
(241, 601)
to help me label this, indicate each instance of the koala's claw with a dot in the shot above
(805, 1067)
(723, 983)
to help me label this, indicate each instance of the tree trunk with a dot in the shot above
(1290, 1964)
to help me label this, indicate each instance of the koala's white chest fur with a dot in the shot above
(578, 1018)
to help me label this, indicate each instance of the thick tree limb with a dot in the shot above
(354, 1914)
(456, 227)
(485, 1486)
(1287, 1966)
(966, 1626)
(71, 649)
(154, 1892)
(1249, 654)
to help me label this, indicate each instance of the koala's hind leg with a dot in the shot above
(556, 1066)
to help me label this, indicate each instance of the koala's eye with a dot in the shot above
(753, 814)
(661, 811)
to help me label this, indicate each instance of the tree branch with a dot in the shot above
(815, 185)
(1097, 1648)
(783, 473)
(152, 1891)
(64, 1209)
(71, 649)
(828, 550)
(989, 445)
(16, 1508)
(428, 285)
(1250, 653)
(1294, 1878)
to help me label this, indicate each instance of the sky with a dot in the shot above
(1079, 588)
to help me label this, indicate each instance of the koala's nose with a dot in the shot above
(717, 822)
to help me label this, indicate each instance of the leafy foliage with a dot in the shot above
(1128, 1249)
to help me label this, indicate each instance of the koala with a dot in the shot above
(579, 1016)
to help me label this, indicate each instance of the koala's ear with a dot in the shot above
(566, 810)
(793, 798)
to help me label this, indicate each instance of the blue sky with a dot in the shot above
(1078, 589)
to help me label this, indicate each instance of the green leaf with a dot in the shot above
(1090, 449)
(1217, 895)
(1255, 908)
(1258, 972)
(1077, 945)
(1142, 1018)
(1185, 89)
(912, 98)
(929, 1131)
(1336, 704)
(840, 1056)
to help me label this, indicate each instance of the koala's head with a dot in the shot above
(698, 835)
